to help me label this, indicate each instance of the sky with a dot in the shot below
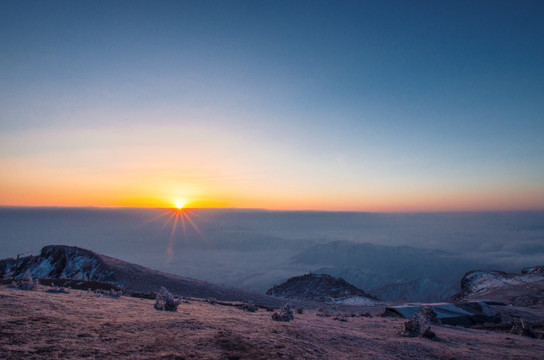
(293, 105)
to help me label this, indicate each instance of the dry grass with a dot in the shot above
(39, 325)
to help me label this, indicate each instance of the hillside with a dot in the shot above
(59, 261)
(40, 325)
(525, 288)
(323, 288)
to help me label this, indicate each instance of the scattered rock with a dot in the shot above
(427, 333)
(412, 327)
(58, 290)
(340, 317)
(249, 307)
(286, 314)
(116, 294)
(418, 325)
(524, 329)
(322, 313)
(211, 301)
(26, 282)
(166, 301)
(429, 315)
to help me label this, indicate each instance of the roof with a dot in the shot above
(442, 310)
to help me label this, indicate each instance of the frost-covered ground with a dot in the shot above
(39, 325)
(357, 300)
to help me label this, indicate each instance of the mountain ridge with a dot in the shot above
(62, 261)
(524, 288)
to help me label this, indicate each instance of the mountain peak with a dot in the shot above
(320, 287)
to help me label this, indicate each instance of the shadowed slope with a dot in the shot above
(59, 261)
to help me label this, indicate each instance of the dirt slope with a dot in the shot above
(39, 325)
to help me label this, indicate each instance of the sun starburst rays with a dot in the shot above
(178, 217)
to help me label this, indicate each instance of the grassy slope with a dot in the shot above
(38, 325)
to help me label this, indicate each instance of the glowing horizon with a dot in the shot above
(482, 205)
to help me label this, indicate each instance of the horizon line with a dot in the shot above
(91, 207)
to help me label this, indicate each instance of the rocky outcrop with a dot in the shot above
(525, 288)
(323, 288)
(61, 262)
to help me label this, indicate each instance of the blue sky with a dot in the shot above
(382, 105)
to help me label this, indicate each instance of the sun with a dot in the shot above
(179, 204)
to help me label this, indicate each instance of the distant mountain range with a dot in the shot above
(69, 262)
(254, 250)
(390, 272)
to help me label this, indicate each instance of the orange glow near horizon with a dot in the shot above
(137, 176)
(377, 203)
(204, 191)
